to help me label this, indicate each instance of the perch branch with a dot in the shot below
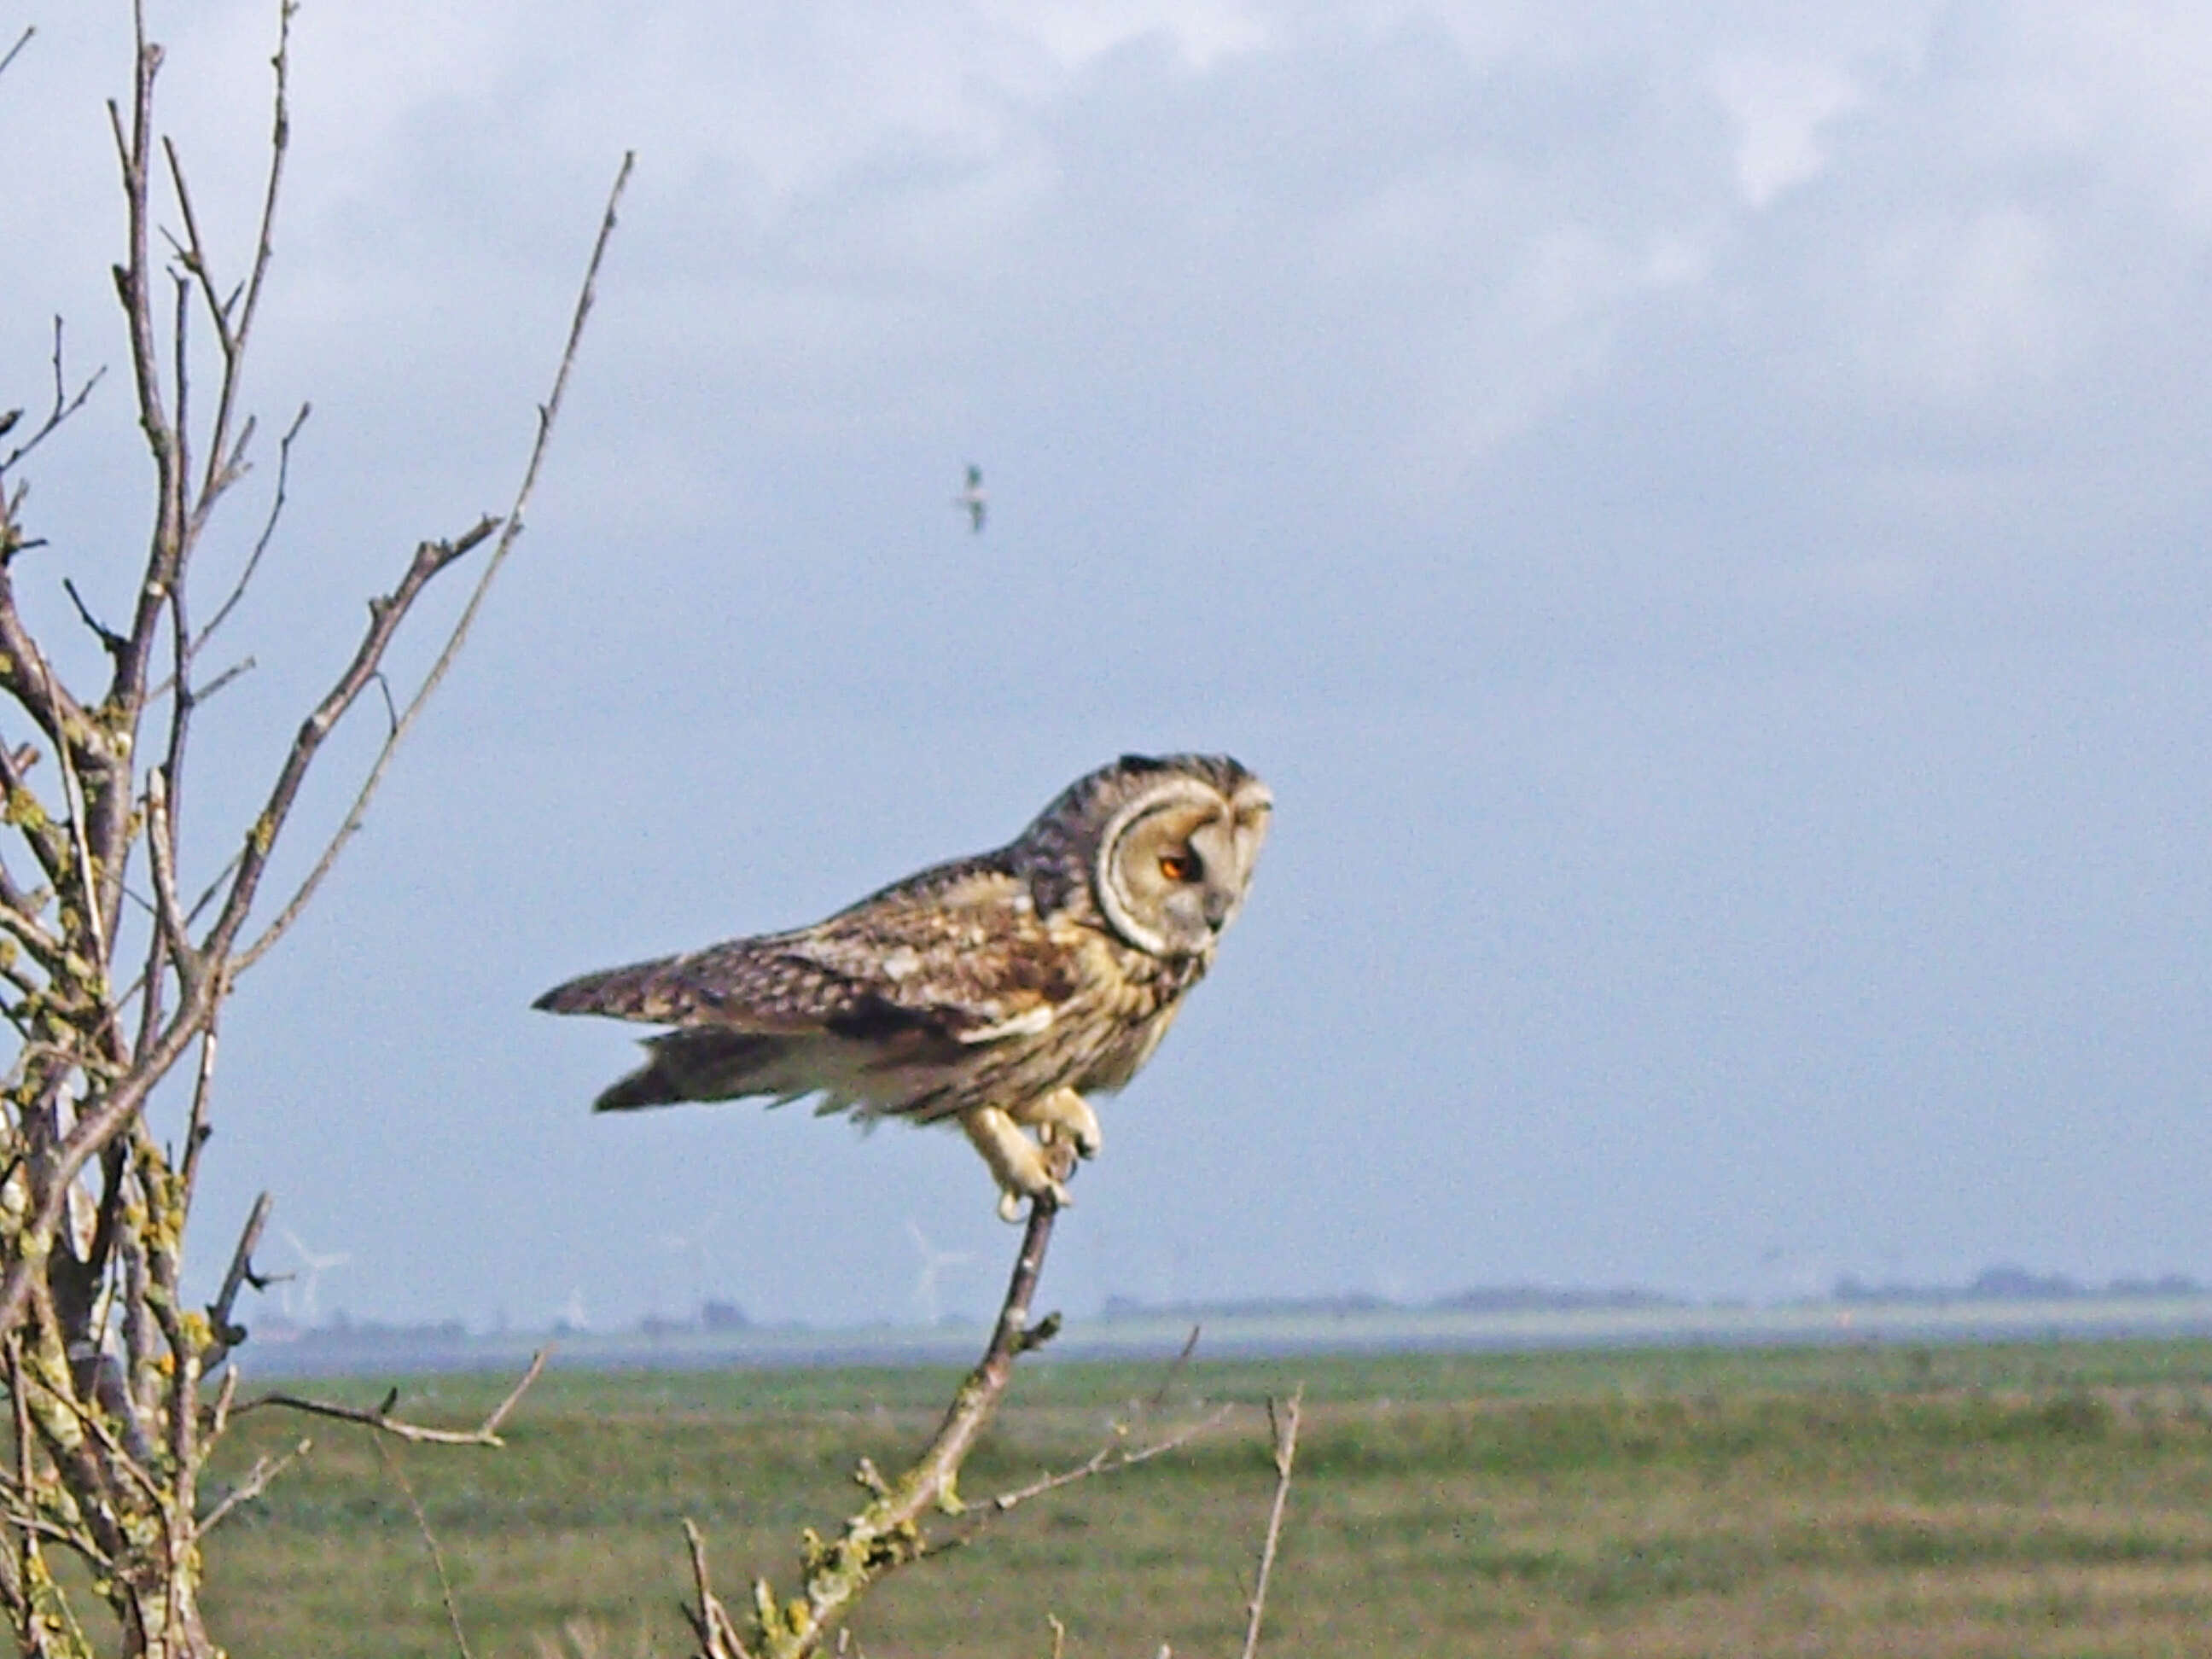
(1110, 1458)
(887, 1532)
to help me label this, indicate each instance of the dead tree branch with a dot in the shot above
(257, 1479)
(105, 1358)
(380, 1419)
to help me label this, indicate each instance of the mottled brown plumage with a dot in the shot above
(997, 990)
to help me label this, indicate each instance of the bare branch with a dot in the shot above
(379, 1418)
(384, 616)
(228, 1335)
(265, 1469)
(108, 637)
(22, 41)
(223, 468)
(887, 1532)
(268, 530)
(73, 796)
(1283, 1425)
(243, 666)
(133, 287)
(64, 405)
(161, 849)
(1176, 1369)
(547, 413)
(1111, 1459)
(717, 1631)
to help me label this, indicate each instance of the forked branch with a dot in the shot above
(1282, 1423)
(380, 1419)
(887, 1534)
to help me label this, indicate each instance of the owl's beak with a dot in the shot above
(1218, 906)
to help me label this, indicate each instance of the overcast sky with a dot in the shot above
(1700, 514)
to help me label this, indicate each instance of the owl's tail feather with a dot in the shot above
(701, 1062)
(648, 1085)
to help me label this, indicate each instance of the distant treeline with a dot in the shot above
(1488, 1298)
(2011, 1284)
(1998, 1284)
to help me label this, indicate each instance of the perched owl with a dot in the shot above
(996, 991)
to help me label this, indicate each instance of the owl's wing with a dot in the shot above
(957, 951)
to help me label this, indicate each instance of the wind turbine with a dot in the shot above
(933, 1262)
(316, 1265)
(572, 1311)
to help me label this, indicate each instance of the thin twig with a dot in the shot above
(265, 1469)
(510, 530)
(1181, 1359)
(169, 910)
(243, 665)
(380, 1419)
(63, 404)
(108, 637)
(121, 1102)
(437, 1556)
(1284, 1424)
(22, 41)
(1108, 1459)
(222, 468)
(261, 543)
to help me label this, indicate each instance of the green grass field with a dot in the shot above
(2032, 1499)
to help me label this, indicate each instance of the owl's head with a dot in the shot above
(1166, 847)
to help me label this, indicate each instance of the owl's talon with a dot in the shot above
(1010, 1202)
(1066, 1116)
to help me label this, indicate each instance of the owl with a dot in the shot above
(994, 992)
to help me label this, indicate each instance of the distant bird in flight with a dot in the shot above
(973, 498)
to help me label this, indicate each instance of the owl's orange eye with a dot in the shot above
(1179, 866)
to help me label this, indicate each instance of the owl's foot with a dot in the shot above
(1024, 1170)
(1064, 1116)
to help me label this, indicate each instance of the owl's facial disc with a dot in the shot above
(1175, 864)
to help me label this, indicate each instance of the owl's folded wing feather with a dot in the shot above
(955, 952)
